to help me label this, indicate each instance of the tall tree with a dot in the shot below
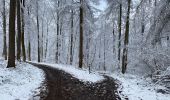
(11, 53)
(38, 30)
(71, 38)
(126, 41)
(120, 31)
(23, 32)
(4, 31)
(18, 30)
(42, 37)
(58, 33)
(81, 36)
(29, 38)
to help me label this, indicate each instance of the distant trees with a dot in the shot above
(115, 12)
(72, 32)
(11, 49)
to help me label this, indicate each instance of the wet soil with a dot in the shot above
(63, 86)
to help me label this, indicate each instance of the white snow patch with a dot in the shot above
(20, 83)
(81, 74)
(138, 88)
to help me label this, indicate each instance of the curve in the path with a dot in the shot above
(63, 86)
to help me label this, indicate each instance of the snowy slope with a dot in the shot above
(20, 83)
(137, 88)
(80, 74)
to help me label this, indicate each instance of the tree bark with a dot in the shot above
(71, 39)
(37, 8)
(81, 36)
(11, 53)
(104, 52)
(126, 41)
(58, 34)
(46, 46)
(4, 31)
(29, 39)
(23, 33)
(18, 30)
(120, 32)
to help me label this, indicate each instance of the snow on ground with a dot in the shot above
(20, 83)
(138, 88)
(80, 74)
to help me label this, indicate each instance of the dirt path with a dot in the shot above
(62, 86)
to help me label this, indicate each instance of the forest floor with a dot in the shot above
(136, 87)
(20, 83)
(62, 85)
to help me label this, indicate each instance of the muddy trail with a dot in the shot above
(62, 86)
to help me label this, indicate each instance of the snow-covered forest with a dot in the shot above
(126, 40)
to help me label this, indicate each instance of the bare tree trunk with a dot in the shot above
(11, 53)
(42, 41)
(4, 31)
(81, 36)
(120, 29)
(37, 8)
(104, 52)
(46, 42)
(19, 30)
(71, 39)
(100, 53)
(126, 41)
(29, 39)
(61, 40)
(143, 21)
(29, 50)
(113, 33)
(23, 33)
(58, 33)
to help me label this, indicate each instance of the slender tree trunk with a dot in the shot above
(143, 21)
(81, 36)
(113, 33)
(60, 40)
(126, 41)
(104, 53)
(23, 33)
(42, 40)
(46, 46)
(29, 39)
(29, 50)
(38, 34)
(58, 33)
(4, 31)
(18, 30)
(120, 32)
(155, 4)
(11, 53)
(71, 39)
(100, 53)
